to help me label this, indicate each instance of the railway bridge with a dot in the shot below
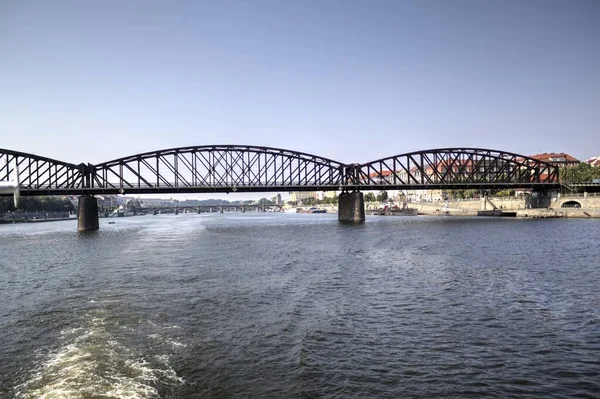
(246, 168)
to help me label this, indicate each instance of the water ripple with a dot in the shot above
(236, 306)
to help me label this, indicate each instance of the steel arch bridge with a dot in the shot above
(456, 168)
(241, 168)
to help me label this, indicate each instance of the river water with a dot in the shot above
(300, 306)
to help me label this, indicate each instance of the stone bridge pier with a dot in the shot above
(351, 204)
(87, 213)
(351, 207)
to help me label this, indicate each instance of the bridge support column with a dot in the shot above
(221, 210)
(87, 213)
(176, 211)
(243, 209)
(351, 207)
(198, 211)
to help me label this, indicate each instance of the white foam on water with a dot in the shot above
(175, 343)
(171, 327)
(93, 362)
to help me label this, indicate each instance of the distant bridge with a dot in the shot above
(207, 208)
(241, 168)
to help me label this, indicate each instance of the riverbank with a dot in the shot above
(539, 213)
(12, 221)
(559, 213)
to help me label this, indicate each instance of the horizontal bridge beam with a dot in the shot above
(259, 189)
(183, 190)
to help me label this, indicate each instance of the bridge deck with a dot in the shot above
(248, 189)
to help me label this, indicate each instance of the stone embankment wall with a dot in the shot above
(559, 213)
(469, 207)
(589, 200)
(525, 206)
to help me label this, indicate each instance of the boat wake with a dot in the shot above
(95, 362)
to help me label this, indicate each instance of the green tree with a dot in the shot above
(582, 173)
(6, 204)
(383, 196)
(309, 201)
(456, 194)
(505, 193)
(37, 204)
(133, 204)
(469, 193)
(329, 200)
(370, 197)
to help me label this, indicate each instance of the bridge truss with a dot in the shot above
(456, 168)
(35, 173)
(230, 168)
(218, 168)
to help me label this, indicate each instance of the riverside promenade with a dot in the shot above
(563, 206)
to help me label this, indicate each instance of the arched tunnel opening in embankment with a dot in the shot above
(571, 204)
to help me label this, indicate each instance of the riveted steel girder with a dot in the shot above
(243, 168)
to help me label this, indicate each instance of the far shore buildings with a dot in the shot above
(277, 200)
(594, 161)
(560, 159)
(299, 196)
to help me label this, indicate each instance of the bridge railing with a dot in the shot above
(580, 195)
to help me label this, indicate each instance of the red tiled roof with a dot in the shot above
(594, 161)
(552, 156)
(383, 173)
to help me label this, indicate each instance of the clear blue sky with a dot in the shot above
(86, 81)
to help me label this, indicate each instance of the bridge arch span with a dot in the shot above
(212, 168)
(456, 168)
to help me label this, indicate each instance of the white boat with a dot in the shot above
(121, 212)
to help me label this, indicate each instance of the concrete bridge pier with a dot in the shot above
(243, 209)
(221, 210)
(198, 212)
(87, 213)
(351, 207)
